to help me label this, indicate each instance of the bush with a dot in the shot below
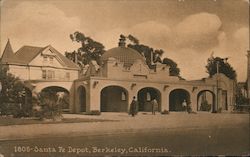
(205, 106)
(189, 109)
(50, 107)
(94, 112)
(219, 110)
(14, 109)
(165, 112)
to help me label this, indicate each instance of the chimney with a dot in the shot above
(122, 40)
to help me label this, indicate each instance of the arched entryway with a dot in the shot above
(114, 99)
(82, 98)
(205, 100)
(58, 93)
(145, 96)
(176, 99)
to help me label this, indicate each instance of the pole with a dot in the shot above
(217, 86)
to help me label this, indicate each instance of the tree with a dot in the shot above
(223, 67)
(153, 55)
(173, 70)
(241, 99)
(89, 50)
(51, 105)
(12, 95)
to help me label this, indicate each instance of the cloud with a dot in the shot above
(37, 24)
(151, 33)
(235, 48)
(198, 31)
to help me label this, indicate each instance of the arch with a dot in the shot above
(42, 85)
(114, 99)
(145, 96)
(176, 98)
(81, 93)
(59, 91)
(205, 100)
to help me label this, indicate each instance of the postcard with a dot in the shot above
(124, 78)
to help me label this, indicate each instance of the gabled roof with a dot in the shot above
(27, 53)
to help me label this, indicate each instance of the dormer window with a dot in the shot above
(45, 58)
(51, 59)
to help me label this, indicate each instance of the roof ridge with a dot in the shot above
(32, 46)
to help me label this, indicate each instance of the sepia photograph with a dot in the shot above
(124, 78)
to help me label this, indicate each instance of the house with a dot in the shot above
(40, 67)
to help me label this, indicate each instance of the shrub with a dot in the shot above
(165, 112)
(94, 112)
(219, 110)
(189, 109)
(14, 109)
(50, 107)
(205, 106)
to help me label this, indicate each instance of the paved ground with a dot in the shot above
(181, 133)
(123, 123)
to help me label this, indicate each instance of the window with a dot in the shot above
(51, 74)
(123, 96)
(51, 60)
(148, 96)
(45, 58)
(44, 74)
(67, 75)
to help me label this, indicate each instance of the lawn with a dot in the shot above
(5, 121)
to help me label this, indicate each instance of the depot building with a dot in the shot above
(125, 74)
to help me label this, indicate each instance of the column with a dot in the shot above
(165, 101)
(194, 101)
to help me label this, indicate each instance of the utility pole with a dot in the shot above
(215, 105)
(217, 85)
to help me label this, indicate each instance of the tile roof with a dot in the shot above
(124, 54)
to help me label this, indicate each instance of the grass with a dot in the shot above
(5, 121)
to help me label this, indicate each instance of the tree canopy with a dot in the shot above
(13, 89)
(12, 94)
(153, 55)
(89, 50)
(173, 70)
(223, 67)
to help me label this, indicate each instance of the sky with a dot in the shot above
(189, 31)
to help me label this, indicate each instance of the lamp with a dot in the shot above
(165, 87)
(95, 83)
(132, 85)
(194, 88)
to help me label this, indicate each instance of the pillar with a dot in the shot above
(165, 101)
(94, 102)
(194, 101)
